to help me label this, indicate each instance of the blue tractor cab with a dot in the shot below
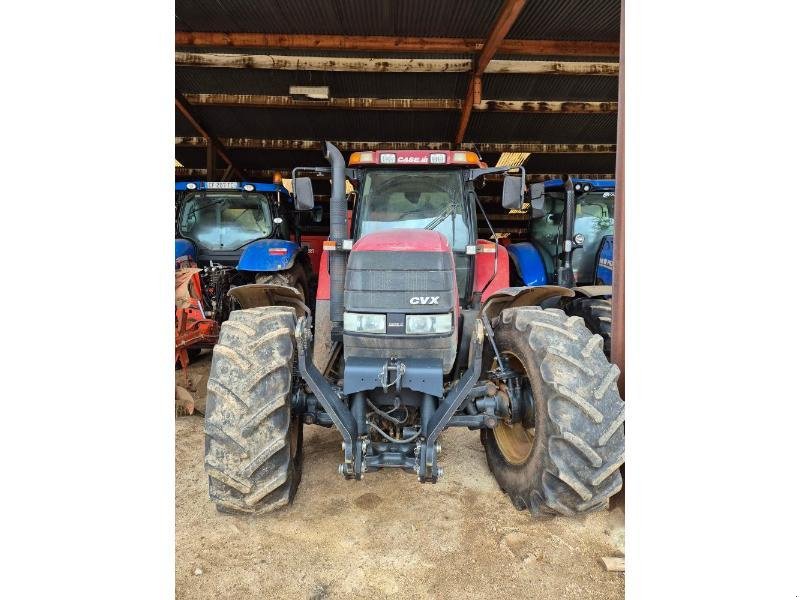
(571, 242)
(227, 221)
(248, 229)
(542, 260)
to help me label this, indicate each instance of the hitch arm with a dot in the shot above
(452, 401)
(340, 414)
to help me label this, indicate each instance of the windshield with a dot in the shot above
(392, 199)
(225, 220)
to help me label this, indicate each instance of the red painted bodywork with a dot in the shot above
(192, 328)
(403, 240)
(314, 243)
(484, 268)
(484, 262)
(324, 276)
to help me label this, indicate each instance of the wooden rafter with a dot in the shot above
(389, 65)
(208, 138)
(377, 43)
(273, 144)
(505, 20)
(429, 104)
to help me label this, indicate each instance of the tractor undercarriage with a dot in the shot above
(391, 412)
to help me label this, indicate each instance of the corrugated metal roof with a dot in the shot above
(548, 87)
(597, 20)
(540, 19)
(450, 18)
(542, 127)
(329, 124)
(571, 163)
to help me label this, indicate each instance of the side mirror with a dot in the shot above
(512, 192)
(303, 193)
(537, 200)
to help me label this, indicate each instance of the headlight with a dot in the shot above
(364, 323)
(427, 324)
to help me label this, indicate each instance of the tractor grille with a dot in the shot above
(399, 284)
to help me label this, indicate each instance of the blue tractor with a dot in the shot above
(571, 244)
(245, 239)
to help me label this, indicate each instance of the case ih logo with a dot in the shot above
(424, 300)
(412, 159)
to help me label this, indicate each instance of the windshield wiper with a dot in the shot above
(209, 205)
(439, 219)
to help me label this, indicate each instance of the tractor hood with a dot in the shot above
(400, 281)
(264, 256)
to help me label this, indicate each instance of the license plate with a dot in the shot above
(222, 185)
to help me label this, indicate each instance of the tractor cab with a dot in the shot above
(434, 191)
(590, 222)
(220, 218)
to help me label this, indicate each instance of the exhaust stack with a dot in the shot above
(338, 232)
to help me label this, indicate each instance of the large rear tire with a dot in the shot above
(596, 314)
(253, 444)
(568, 463)
(294, 277)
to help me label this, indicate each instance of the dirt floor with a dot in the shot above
(385, 536)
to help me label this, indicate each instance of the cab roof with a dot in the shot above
(188, 186)
(553, 185)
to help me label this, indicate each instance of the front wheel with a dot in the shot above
(566, 459)
(253, 450)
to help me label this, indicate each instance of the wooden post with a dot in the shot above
(618, 287)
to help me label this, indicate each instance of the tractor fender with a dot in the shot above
(269, 294)
(269, 256)
(529, 263)
(592, 291)
(184, 252)
(522, 296)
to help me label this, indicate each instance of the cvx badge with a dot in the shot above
(424, 300)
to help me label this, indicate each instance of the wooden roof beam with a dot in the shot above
(505, 20)
(428, 104)
(347, 146)
(183, 106)
(377, 43)
(390, 65)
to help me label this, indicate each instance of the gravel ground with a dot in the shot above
(385, 536)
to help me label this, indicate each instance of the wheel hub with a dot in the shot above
(514, 441)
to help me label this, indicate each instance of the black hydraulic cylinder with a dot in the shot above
(338, 232)
(357, 407)
(427, 408)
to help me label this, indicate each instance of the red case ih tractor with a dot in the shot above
(416, 329)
